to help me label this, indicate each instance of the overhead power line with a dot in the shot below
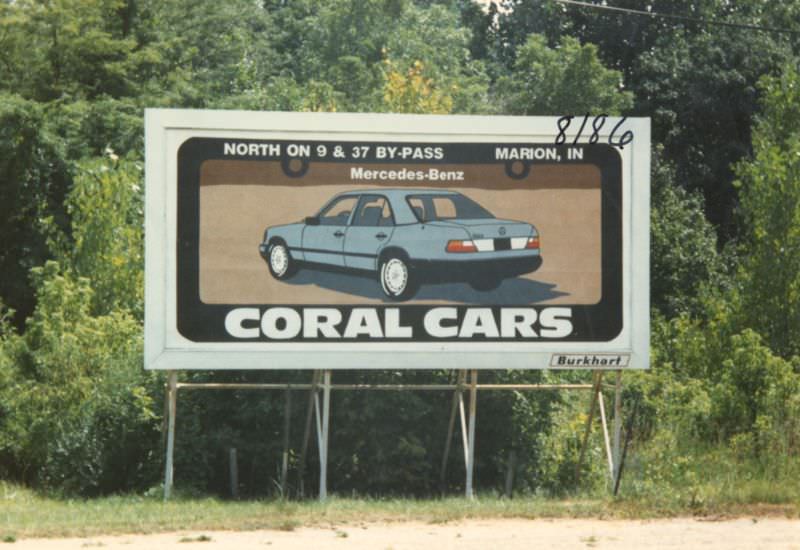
(702, 20)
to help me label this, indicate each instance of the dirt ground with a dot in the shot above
(238, 200)
(511, 534)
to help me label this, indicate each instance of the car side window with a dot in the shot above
(338, 212)
(418, 206)
(444, 207)
(373, 211)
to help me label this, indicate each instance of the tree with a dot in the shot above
(566, 80)
(683, 246)
(34, 177)
(769, 187)
(412, 92)
(680, 83)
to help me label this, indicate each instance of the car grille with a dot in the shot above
(502, 244)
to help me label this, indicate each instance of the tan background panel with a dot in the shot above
(239, 199)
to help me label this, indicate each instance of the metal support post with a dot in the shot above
(326, 414)
(172, 392)
(602, 402)
(617, 423)
(598, 379)
(287, 425)
(320, 411)
(473, 401)
(464, 437)
(307, 433)
(450, 427)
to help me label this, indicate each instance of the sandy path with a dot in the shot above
(766, 533)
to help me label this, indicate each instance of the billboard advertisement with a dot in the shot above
(310, 240)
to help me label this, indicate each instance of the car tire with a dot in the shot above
(485, 284)
(396, 278)
(280, 262)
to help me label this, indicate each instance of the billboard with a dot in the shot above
(311, 240)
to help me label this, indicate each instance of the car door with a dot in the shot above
(324, 243)
(370, 229)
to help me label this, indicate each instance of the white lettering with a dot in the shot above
(318, 321)
(515, 321)
(393, 327)
(363, 321)
(433, 322)
(292, 323)
(479, 321)
(235, 318)
(555, 322)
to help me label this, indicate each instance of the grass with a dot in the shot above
(26, 514)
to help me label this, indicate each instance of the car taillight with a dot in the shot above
(461, 246)
(533, 242)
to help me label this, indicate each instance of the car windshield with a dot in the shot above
(446, 207)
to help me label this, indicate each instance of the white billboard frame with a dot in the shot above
(166, 349)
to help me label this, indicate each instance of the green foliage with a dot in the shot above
(769, 185)
(699, 87)
(568, 79)
(718, 385)
(78, 414)
(683, 247)
(560, 446)
(71, 48)
(82, 417)
(105, 244)
(34, 178)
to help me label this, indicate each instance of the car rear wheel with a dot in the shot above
(398, 281)
(280, 262)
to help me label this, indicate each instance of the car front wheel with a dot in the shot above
(397, 279)
(280, 262)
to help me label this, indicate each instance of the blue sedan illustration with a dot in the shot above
(405, 237)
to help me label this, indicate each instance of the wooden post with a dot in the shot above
(172, 402)
(510, 471)
(233, 471)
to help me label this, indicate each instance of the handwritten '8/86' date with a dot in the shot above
(597, 124)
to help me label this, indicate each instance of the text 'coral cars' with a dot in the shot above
(407, 237)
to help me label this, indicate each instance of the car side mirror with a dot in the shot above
(312, 220)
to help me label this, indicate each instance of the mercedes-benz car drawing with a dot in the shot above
(405, 237)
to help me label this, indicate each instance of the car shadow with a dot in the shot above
(511, 292)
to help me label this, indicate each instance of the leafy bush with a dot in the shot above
(83, 417)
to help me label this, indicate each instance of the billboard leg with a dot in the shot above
(326, 413)
(473, 401)
(602, 402)
(287, 425)
(598, 378)
(307, 433)
(450, 427)
(617, 422)
(172, 393)
(463, 418)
